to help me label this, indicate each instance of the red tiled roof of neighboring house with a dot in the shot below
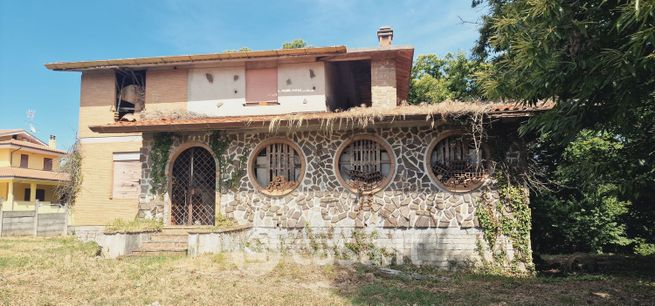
(12, 132)
(2, 132)
(383, 115)
(24, 173)
(31, 145)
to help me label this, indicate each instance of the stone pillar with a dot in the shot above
(383, 83)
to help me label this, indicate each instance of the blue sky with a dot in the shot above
(33, 33)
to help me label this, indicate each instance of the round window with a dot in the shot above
(276, 167)
(365, 164)
(456, 163)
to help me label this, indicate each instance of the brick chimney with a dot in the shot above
(383, 73)
(385, 36)
(52, 142)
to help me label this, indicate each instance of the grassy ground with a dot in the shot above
(64, 271)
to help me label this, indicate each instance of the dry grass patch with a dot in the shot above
(63, 271)
(134, 226)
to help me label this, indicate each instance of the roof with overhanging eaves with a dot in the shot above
(401, 55)
(355, 117)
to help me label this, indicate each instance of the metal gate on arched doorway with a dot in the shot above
(193, 196)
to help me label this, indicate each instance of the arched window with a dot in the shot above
(276, 166)
(365, 164)
(456, 163)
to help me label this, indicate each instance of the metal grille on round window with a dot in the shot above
(365, 165)
(278, 168)
(457, 164)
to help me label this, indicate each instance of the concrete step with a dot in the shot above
(159, 253)
(167, 237)
(161, 245)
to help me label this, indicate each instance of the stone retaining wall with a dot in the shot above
(445, 248)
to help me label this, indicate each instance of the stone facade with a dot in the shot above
(411, 200)
(410, 211)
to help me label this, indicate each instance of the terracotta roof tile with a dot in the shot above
(10, 172)
(159, 60)
(411, 112)
(21, 143)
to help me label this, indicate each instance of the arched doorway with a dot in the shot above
(193, 193)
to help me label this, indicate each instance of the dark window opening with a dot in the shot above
(24, 160)
(47, 164)
(40, 194)
(130, 93)
(348, 84)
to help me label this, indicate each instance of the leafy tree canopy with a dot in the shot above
(596, 60)
(295, 44)
(452, 77)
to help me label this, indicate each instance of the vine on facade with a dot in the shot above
(158, 159)
(508, 217)
(219, 144)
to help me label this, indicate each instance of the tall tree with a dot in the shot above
(596, 60)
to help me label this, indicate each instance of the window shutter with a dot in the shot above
(261, 85)
(126, 176)
(24, 160)
(47, 164)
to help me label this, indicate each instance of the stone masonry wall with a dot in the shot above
(411, 200)
(412, 215)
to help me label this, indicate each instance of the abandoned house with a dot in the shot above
(286, 140)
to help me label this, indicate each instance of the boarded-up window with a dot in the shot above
(261, 85)
(24, 158)
(456, 163)
(365, 164)
(277, 167)
(47, 164)
(127, 172)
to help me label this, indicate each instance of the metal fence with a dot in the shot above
(33, 223)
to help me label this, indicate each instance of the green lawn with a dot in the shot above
(62, 271)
